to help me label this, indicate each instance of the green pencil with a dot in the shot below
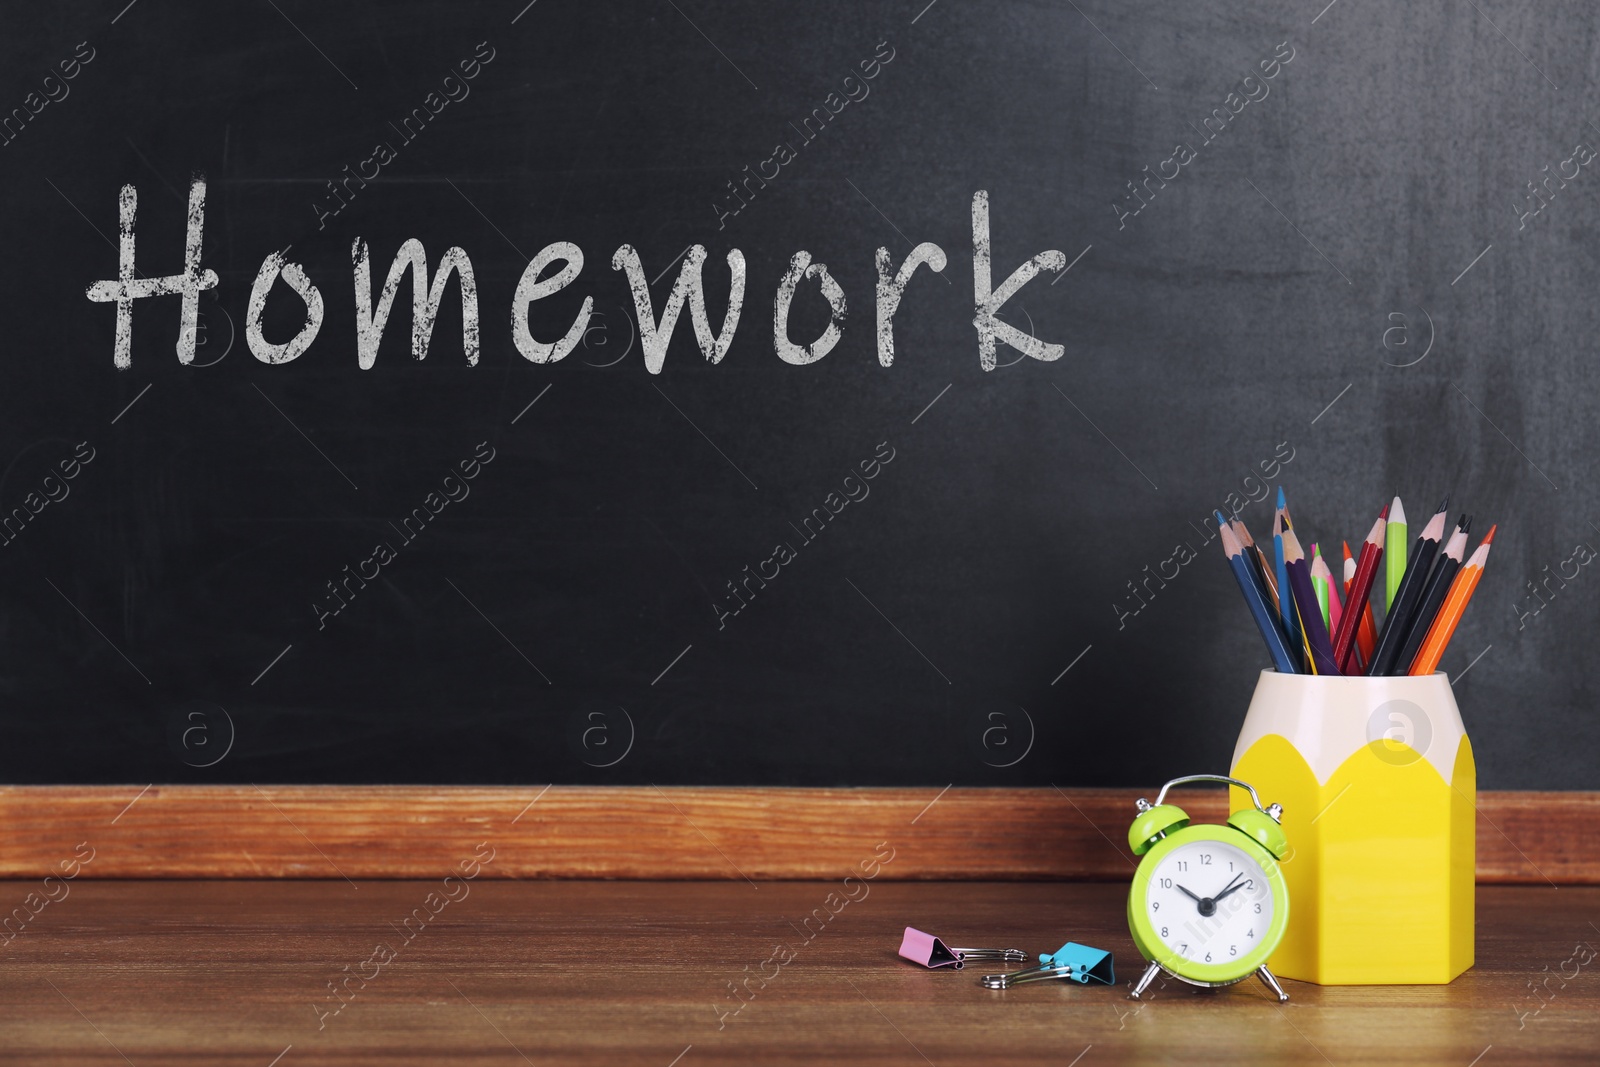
(1394, 552)
(1319, 585)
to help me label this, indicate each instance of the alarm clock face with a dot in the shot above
(1209, 902)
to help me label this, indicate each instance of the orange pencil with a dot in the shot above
(1455, 605)
(1367, 632)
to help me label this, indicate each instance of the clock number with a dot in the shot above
(1155, 905)
(1163, 931)
(1166, 883)
(1183, 865)
(1183, 947)
(1230, 865)
(1258, 909)
(1233, 950)
(1205, 859)
(1208, 957)
(1249, 883)
(1251, 933)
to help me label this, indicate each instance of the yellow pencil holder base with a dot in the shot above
(1379, 794)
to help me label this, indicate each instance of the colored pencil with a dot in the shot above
(1322, 577)
(1455, 604)
(1248, 545)
(1266, 618)
(1291, 625)
(1309, 627)
(1319, 587)
(1360, 664)
(1306, 608)
(1305, 643)
(1439, 581)
(1261, 568)
(1271, 588)
(1393, 635)
(1269, 582)
(1394, 552)
(1280, 576)
(1360, 587)
(1307, 663)
(1366, 632)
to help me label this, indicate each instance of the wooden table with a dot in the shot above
(619, 973)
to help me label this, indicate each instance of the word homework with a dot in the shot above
(539, 281)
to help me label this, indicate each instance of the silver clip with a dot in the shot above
(1031, 974)
(1007, 955)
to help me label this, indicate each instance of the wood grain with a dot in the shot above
(645, 832)
(638, 973)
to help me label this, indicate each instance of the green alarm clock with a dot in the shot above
(1208, 904)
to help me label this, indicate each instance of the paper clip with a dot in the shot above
(1072, 960)
(931, 952)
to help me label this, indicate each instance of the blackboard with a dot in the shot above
(1276, 243)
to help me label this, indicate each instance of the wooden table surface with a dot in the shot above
(620, 973)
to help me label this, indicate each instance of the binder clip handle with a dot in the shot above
(1007, 955)
(1081, 963)
(1042, 973)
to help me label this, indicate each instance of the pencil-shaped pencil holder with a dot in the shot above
(1379, 792)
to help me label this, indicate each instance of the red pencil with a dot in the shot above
(1366, 566)
(1367, 632)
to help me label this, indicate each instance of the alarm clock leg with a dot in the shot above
(1149, 976)
(1272, 984)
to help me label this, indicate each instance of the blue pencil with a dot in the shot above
(1291, 620)
(1281, 659)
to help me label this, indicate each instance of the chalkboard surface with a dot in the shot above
(1348, 250)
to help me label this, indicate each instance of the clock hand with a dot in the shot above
(1188, 894)
(1233, 887)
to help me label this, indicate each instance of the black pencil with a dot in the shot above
(1433, 596)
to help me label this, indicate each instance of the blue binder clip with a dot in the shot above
(1072, 960)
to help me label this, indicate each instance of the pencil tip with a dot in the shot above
(1465, 525)
(1444, 505)
(1489, 538)
(1281, 501)
(1221, 519)
(1384, 514)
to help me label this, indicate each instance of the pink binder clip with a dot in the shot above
(930, 952)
